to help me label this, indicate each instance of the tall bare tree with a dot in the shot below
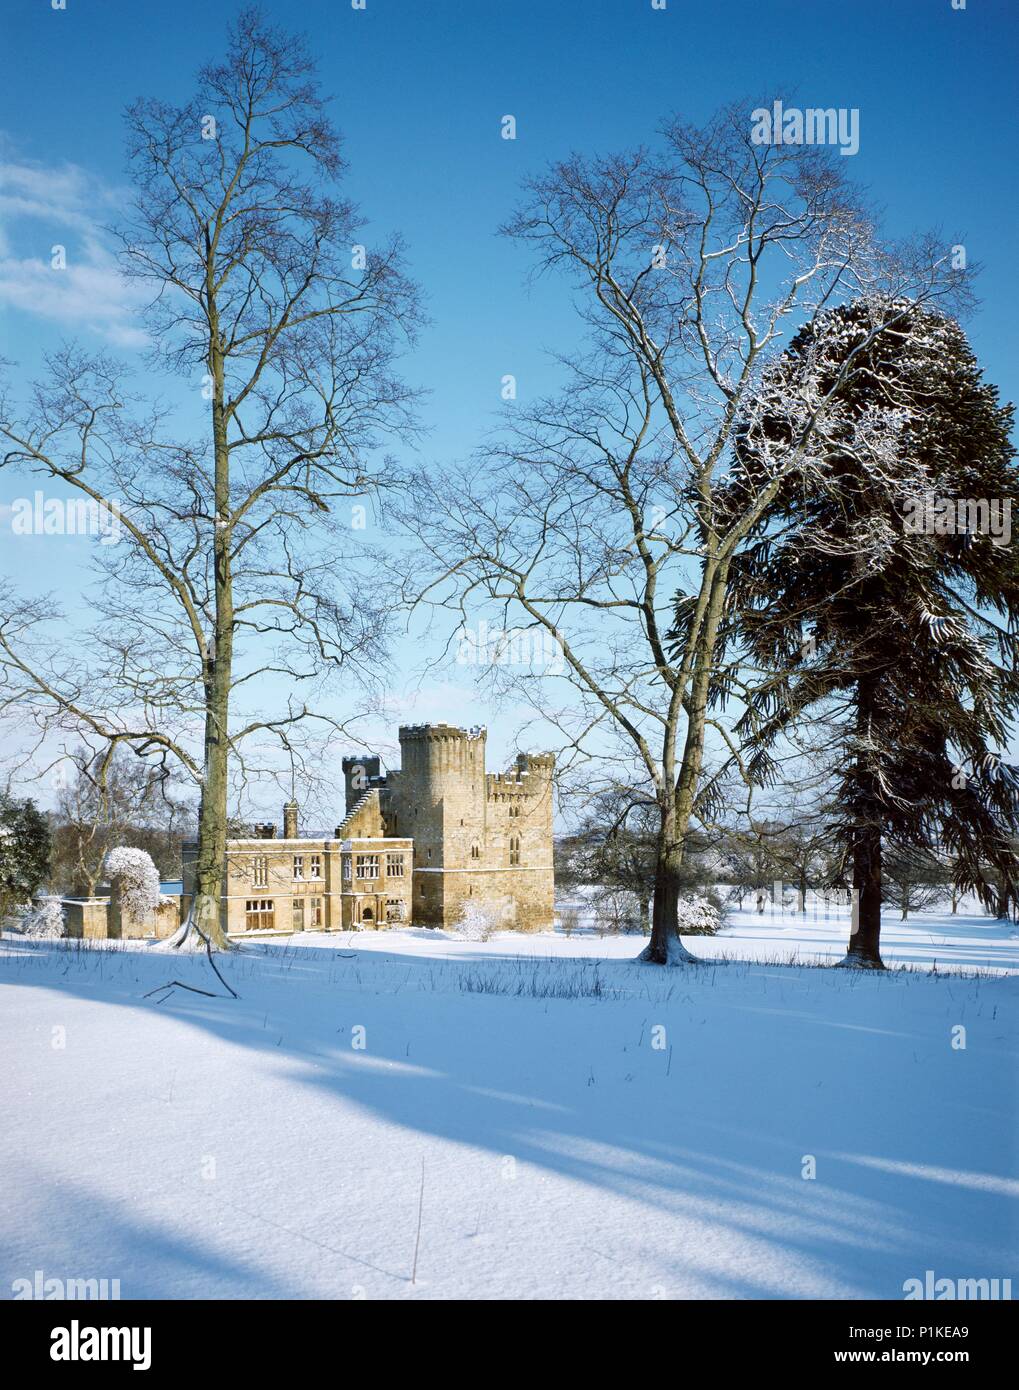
(231, 574)
(690, 266)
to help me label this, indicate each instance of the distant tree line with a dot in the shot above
(610, 855)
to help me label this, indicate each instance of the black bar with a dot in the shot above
(208, 1338)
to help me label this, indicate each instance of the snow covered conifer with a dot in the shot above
(698, 916)
(886, 555)
(24, 851)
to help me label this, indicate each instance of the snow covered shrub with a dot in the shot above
(698, 915)
(133, 874)
(44, 918)
(477, 921)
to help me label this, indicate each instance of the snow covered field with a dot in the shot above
(585, 1126)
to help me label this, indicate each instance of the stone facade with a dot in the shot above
(344, 882)
(415, 846)
(478, 836)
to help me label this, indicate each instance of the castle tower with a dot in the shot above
(478, 837)
(438, 798)
(441, 796)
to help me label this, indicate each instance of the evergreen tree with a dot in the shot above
(881, 598)
(24, 851)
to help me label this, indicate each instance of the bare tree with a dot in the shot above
(113, 799)
(597, 504)
(914, 880)
(749, 856)
(230, 580)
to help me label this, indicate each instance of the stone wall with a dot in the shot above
(102, 919)
(85, 917)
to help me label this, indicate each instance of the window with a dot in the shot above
(314, 913)
(259, 914)
(316, 866)
(259, 871)
(514, 849)
(394, 910)
(475, 852)
(298, 914)
(346, 868)
(394, 865)
(367, 866)
(298, 866)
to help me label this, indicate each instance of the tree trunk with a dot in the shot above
(665, 946)
(205, 913)
(865, 936)
(205, 910)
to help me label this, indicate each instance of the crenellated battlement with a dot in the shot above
(531, 776)
(410, 733)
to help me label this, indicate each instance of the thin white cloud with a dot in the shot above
(92, 296)
(50, 206)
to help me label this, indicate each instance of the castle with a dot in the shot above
(415, 846)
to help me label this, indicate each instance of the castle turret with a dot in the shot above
(358, 775)
(540, 766)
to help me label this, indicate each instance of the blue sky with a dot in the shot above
(420, 87)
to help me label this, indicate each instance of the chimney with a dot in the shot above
(265, 830)
(290, 820)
